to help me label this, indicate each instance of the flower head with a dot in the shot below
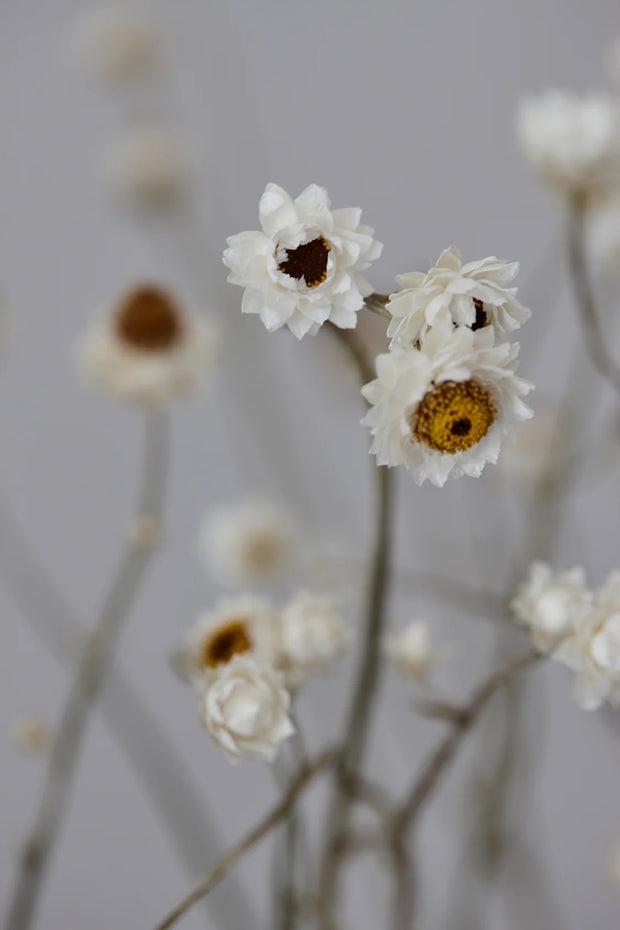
(313, 634)
(235, 626)
(148, 349)
(246, 543)
(411, 651)
(305, 266)
(148, 167)
(444, 408)
(116, 46)
(570, 141)
(246, 709)
(593, 651)
(550, 605)
(473, 295)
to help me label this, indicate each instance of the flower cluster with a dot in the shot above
(446, 393)
(580, 626)
(245, 659)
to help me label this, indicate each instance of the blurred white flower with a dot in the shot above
(116, 45)
(246, 709)
(31, 734)
(411, 650)
(530, 458)
(233, 627)
(444, 408)
(247, 542)
(593, 651)
(473, 295)
(569, 140)
(313, 634)
(148, 349)
(148, 167)
(305, 266)
(551, 604)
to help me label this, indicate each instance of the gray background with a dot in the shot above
(406, 109)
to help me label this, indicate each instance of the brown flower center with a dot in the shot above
(481, 315)
(453, 416)
(307, 261)
(227, 641)
(148, 319)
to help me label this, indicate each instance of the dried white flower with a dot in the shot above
(444, 408)
(551, 604)
(31, 734)
(233, 627)
(116, 46)
(148, 349)
(473, 295)
(246, 543)
(246, 709)
(305, 266)
(411, 650)
(148, 167)
(593, 651)
(313, 634)
(570, 141)
(532, 455)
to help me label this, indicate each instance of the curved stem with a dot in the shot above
(89, 678)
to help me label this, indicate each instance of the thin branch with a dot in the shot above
(277, 814)
(376, 303)
(89, 678)
(595, 342)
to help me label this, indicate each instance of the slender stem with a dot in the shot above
(89, 678)
(275, 816)
(376, 303)
(593, 336)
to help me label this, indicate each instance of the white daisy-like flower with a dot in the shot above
(116, 45)
(305, 266)
(593, 651)
(443, 409)
(246, 543)
(551, 604)
(31, 734)
(235, 626)
(411, 650)
(148, 349)
(246, 709)
(570, 141)
(474, 295)
(313, 635)
(148, 167)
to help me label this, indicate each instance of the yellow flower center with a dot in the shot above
(454, 416)
(148, 319)
(228, 640)
(307, 261)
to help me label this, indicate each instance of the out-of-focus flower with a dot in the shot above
(411, 650)
(570, 141)
(31, 734)
(444, 408)
(530, 458)
(246, 709)
(473, 295)
(148, 167)
(593, 651)
(551, 604)
(313, 634)
(235, 626)
(305, 266)
(148, 349)
(246, 543)
(116, 45)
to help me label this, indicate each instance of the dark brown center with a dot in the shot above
(228, 641)
(481, 315)
(148, 319)
(307, 261)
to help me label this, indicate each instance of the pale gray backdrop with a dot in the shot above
(405, 108)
